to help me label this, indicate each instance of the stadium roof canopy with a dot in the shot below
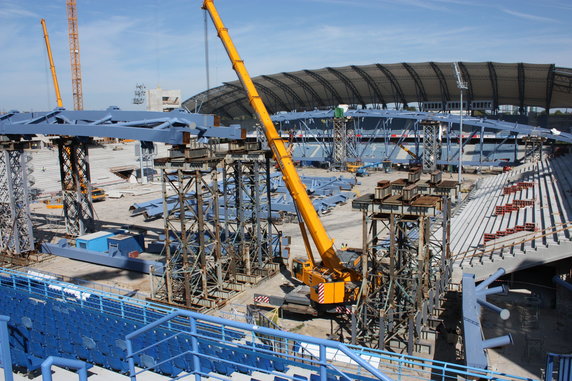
(516, 84)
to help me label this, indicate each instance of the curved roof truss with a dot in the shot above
(518, 84)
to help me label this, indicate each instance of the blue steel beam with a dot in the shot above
(162, 127)
(473, 298)
(488, 124)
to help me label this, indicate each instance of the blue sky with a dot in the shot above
(161, 42)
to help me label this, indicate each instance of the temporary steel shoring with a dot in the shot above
(339, 151)
(16, 235)
(194, 269)
(246, 179)
(533, 149)
(431, 145)
(173, 128)
(76, 186)
(210, 252)
(408, 272)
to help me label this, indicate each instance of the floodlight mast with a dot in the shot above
(461, 85)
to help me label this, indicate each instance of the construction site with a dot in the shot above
(365, 222)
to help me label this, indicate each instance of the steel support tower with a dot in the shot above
(250, 233)
(218, 235)
(408, 269)
(76, 186)
(194, 265)
(431, 145)
(16, 234)
(339, 143)
(533, 148)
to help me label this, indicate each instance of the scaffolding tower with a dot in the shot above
(218, 232)
(194, 265)
(249, 232)
(16, 234)
(407, 271)
(533, 148)
(431, 145)
(339, 143)
(76, 186)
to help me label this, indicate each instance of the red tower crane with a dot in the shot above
(74, 54)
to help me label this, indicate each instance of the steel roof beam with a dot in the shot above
(226, 94)
(278, 101)
(326, 84)
(549, 89)
(287, 89)
(563, 83)
(467, 78)
(494, 85)
(163, 127)
(421, 94)
(367, 78)
(445, 96)
(303, 84)
(348, 84)
(513, 128)
(398, 93)
(521, 82)
(238, 103)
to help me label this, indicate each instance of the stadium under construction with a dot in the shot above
(366, 222)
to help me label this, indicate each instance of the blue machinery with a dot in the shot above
(201, 338)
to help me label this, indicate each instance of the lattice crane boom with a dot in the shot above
(71, 8)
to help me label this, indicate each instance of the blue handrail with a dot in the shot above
(193, 317)
(80, 366)
(394, 365)
(5, 358)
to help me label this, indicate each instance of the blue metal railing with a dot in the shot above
(79, 366)
(5, 357)
(320, 363)
(563, 367)
(294, 349)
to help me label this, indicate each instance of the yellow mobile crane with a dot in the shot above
(331, 281)
(52, 66)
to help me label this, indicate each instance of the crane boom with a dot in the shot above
(52, 66)
(71, 8)
(296, 187)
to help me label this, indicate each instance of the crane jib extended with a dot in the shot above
(330, 261)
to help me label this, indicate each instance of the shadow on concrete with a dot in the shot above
(110, 274)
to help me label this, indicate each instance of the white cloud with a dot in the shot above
(12, 9)
(527, 16)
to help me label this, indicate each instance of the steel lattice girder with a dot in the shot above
(16, 234)
(171, 128)
(487, 124)
(76, 186)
